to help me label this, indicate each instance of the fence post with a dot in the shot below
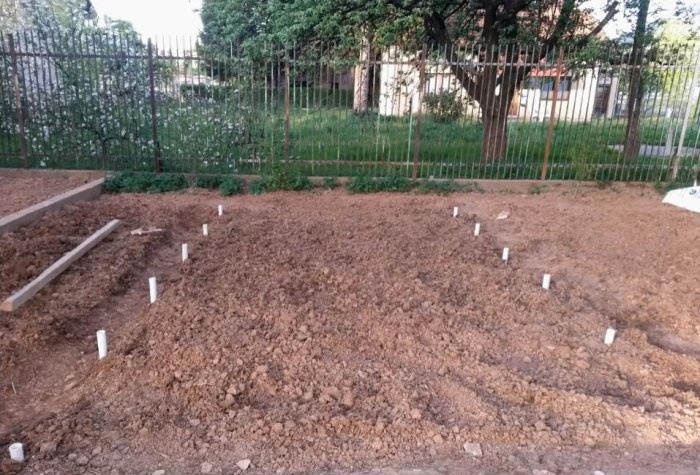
(286, 114)
(154, 120)
(421, 87)
(552, 115)
(18, 101)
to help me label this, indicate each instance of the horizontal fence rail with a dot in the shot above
(111, 102)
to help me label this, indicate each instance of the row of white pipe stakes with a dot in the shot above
(546, 278)
(153, 293)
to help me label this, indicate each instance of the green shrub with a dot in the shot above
(446, 106)
(363, 184)
(132, 182)
(231, 186)
(279, 178)
(129, 182)
(112, 184)
(256, 187)
(301, 183)
(329, 182)
(209, 182)
(166, 182)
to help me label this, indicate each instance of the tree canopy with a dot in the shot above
(548, 22)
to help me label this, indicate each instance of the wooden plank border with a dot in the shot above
(28, 215)
(28, 291)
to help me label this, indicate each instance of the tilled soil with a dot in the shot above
(322, 332)
(18, 193)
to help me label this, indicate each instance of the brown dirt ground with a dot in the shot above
(326, 332)
(19, 193)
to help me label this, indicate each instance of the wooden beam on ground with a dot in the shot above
(28, 215)
(28, 291)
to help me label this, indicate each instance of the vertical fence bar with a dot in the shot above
(18, 101)
(154, 120)
(552, 115)
(421, 89)
(286, 113)
(684, 128)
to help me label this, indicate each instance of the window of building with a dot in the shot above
(547, 88)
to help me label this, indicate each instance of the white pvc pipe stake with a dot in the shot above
(546, 279)
(455, 212)
(101, 344)
(185, 252)
(221, 210)
(609, 336)
(205, 229)
(153, 288)
(17, 452)
(505, 255)
(477, 229)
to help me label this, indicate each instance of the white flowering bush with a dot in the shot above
(97, 107)
(8, 117)
(86, 100)
(209, 136)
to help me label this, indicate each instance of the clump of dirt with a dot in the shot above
(314, 333)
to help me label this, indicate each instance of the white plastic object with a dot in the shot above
(17, 452)
(205, 229)
(477, 229)
(546, 280)
(687, 198)
(101, 344)
(455, 212)
(506, 251)
(153, 288)
(609, 336)
(221, 210)
(185, 252)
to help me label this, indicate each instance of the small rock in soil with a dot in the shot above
(415, 414)
(542, 472)
(82, 460)
(598, 472)
(243, 464)
(158, 472)
(347, 400)
(473, 449)
(206, 467)
(277, 428)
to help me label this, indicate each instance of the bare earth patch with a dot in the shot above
(326, 332)
(19, 193)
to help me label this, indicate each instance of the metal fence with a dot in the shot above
(111, 102)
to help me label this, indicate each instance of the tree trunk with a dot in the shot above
(636, 91)
(362, 79)
(495, 138)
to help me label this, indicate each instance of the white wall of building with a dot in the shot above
(399, 91)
